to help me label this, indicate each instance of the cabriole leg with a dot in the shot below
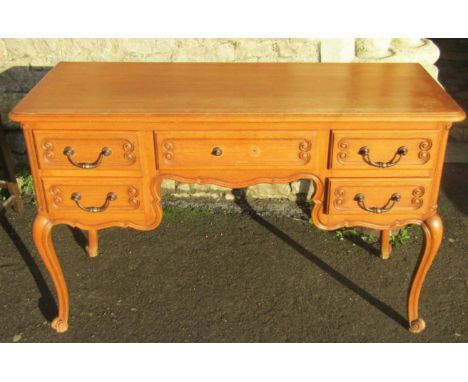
(92, 243)
(42, 236)
(433, 230)
(385, 246)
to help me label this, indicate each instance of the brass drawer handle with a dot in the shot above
(217, 151)
(69, 151)
(76, 197)
(364, 151)
(359, 198)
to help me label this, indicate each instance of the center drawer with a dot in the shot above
(196, 150)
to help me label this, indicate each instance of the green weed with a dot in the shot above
(171, 212)
(403, 236)
(25, 181)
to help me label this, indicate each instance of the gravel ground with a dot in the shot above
(227, 276)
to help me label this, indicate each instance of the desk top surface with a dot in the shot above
(237, 91)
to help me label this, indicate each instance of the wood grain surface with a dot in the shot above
(151, 91)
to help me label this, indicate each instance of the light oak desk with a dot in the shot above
(102, 136)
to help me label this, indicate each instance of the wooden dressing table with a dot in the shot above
(102, 136)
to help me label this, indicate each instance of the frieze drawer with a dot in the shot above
(236, 149)
(88, 152)
(388, 150)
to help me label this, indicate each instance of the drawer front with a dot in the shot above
(87, 151)
(95, 200)
(387, 150)
(239, 149)
(389, 196)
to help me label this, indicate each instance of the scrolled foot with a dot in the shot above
(42, 235)
(59, 325)
(417, 326)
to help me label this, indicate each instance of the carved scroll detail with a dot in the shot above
(424, 148)
(129, 152)
(304, 150)
(48, 148)
(168, 150)
(417, 199)
(339, 197)
(133, 199)
(56, 196)
(343, 147)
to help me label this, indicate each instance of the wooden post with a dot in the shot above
(10, 183)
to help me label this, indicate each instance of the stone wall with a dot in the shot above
(23, 62)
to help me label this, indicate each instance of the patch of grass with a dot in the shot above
(171, 212)
(25, 181)
(342, 233)
(369, 238)
(404, 235)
